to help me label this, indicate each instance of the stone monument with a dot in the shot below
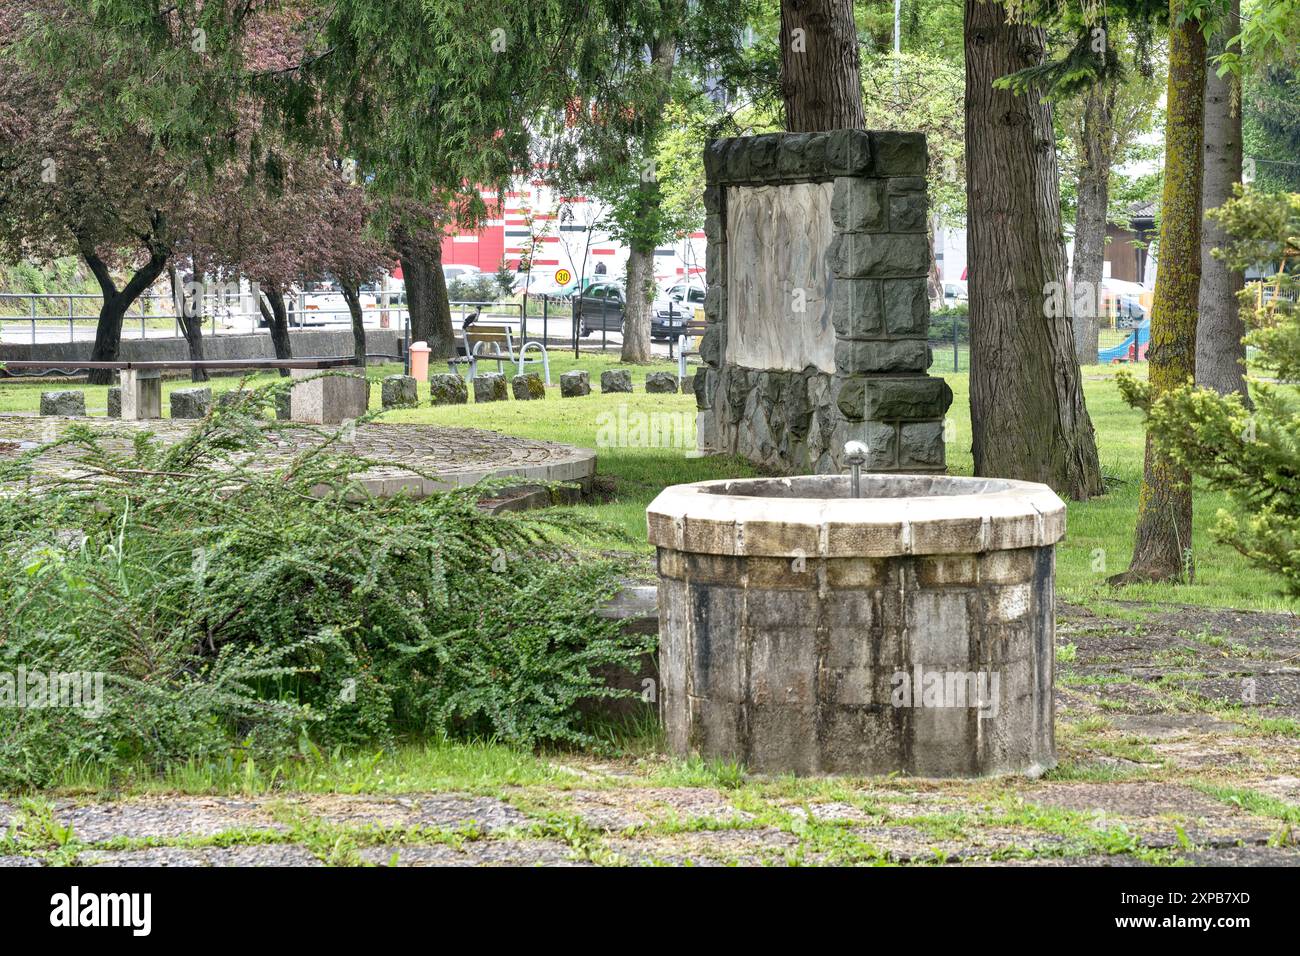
(817, 307)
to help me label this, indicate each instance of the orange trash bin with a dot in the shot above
(420, 361)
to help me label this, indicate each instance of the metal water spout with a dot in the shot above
(855, 453)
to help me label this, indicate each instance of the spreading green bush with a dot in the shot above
(229, 600)
(1251, 454)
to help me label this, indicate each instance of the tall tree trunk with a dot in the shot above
(108, 329)
(277, 318)
(352, 293)
(1028, 419)
(1220, 351)
(640, 292)
(636, 309)
(1090, 222)
(1162, 549)
(191, 324)
(821, 79)
(426, 299)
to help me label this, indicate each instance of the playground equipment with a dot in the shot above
(1132, 349)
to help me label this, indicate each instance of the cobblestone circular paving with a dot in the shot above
(418, 459)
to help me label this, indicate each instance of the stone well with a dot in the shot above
(911, 629)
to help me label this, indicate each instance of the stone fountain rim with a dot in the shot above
(699, 518)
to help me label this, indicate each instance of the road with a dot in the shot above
(555, 326)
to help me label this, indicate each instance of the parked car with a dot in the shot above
(954, 293)
(603, 305)
(320, 303)
(540, 284)
(599, 307)
(674, 309)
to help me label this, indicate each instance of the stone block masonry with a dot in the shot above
(490, 388)
(191, 402)
(71, 403)
(447, 388)
(575, 384)
(817, 306)
(615, 380)
(398, 391)
(328, 398)
(910, 630)
(661, 383)
(528, 387)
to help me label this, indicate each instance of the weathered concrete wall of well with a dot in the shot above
(804, 630)
(793, 670)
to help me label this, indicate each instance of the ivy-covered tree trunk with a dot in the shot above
(1162, 548)
(1090, 221)
(1028, 418)
(821, 78)
(1220, 351)
(352, 295)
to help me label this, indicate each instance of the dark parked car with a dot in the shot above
(600, 307)
(603, 304)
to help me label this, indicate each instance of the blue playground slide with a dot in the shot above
(1133, 348)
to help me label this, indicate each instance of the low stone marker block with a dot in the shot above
(399, 391)
(447, 388)
(661, 383)
(114, 401)
(141, 394)
(490, 388)
(191, 402)
(615, 380)
(574, 384)
(233, 397)
(528, 387)
(71, 402)
(329, 398)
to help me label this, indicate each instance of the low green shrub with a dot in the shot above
(228, 600)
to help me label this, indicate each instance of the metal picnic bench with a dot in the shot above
(486, 342)
(689, 335)
(323, 400)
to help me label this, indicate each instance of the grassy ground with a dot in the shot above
(1098, 544)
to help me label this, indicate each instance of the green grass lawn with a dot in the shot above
(1098, 543)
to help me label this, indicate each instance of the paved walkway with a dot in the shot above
(451, 456)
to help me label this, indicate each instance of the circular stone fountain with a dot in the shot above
(911, 629)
